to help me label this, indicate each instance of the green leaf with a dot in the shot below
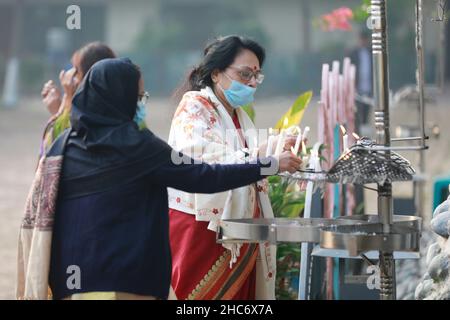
(292, 210)
(360, 13)
(295, 113)
(250, 111)
(274, 179)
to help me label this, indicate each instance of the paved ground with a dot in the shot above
(20, 133)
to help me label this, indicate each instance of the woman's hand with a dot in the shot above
(51, 97)
(289, 143)
(69, 82)
(287, 161)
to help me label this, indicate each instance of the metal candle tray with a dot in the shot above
(356, 234)
(274, 230)
(362, 164)
(357, 239)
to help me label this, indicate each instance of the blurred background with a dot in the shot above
(166, 38)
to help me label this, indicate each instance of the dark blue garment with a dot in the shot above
(119, 238)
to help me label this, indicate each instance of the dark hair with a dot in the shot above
(91, 53)
(219, 54)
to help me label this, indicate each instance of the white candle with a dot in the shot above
(255, 147)
(305, 133)
(357, 138)
(305, 157)
(280, 143)
(344, 139)
(269, 146)
(345, 142)
(304, 151)
(315, 159)
(281, 138)
(297, 142)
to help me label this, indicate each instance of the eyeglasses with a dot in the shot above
(247, 74)
(144, 97)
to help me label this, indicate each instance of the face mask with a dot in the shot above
(238, 94)
(141, 113)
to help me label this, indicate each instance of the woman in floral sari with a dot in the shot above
(208, 114)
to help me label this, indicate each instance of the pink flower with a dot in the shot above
(338, 19)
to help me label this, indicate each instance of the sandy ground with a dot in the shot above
(20, 134)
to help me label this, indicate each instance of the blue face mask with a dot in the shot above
(141, 113)
(238, 94)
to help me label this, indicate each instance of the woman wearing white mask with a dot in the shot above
(209, 111)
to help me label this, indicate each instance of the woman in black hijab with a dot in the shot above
(111, 221)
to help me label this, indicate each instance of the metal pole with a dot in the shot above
(420, 78)
(441, 65)
(381, 99)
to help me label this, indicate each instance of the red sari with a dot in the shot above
(201, 267)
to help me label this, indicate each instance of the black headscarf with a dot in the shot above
(105, 104)
(106, 147)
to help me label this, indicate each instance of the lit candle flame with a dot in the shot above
(270, 131)
(356, 136)
(344, 132)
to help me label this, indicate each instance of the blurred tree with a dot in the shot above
(153, 44)
(401, 42)
(166, 47)
(401, 35)
(244, 27)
